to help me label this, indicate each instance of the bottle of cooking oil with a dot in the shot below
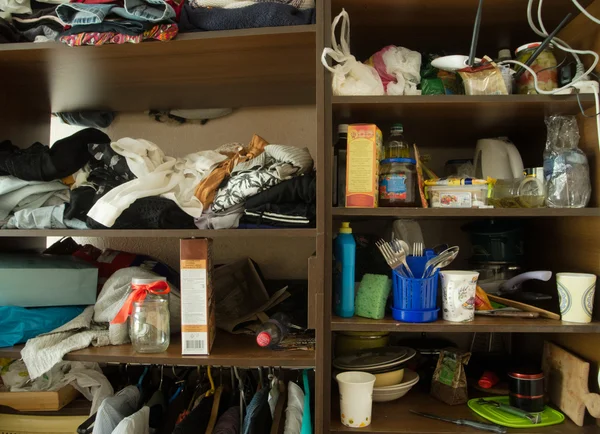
(396, 146)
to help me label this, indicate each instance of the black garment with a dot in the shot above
(42, 163)
(289, 204)
(150, 213)
(105, 156)
(9, 34)
(82, 200)
(197, 420)
(41, 22)
(94, 119)
(253, 16)
(300, 189)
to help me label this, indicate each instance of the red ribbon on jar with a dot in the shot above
(139, 293)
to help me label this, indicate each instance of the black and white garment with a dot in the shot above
(276, 164)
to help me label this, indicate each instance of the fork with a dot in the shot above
(418, 249)
(398, 247)
(394, 259)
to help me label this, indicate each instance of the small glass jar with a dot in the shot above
(397, 182)
(544, 65)
(149, 324)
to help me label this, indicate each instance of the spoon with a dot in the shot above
(440, 261)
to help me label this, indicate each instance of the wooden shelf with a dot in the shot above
(251, 67)
(480, 324)
(417, 25)
(229, 350)
(394, 417)
(160, 233)
(465, 212)
(478, 114)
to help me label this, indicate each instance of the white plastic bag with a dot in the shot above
(350, 77)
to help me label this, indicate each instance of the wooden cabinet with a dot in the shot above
(274, 67)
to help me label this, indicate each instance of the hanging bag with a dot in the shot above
(350, 77)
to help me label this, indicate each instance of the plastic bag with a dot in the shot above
(19, 324)
(350, 77)
(398, 68)
(483, 80)
(566, 169)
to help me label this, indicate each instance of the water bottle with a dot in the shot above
(344, 271)
(273, 331)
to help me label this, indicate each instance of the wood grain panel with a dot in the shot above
(235, 68)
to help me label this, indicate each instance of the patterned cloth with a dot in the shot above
(276, 164)
(161, 32)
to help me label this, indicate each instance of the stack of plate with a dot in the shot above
(392, 380)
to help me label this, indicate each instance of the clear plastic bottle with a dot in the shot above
(273, 331)
(396, 146)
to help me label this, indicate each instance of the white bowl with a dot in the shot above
(391, 393)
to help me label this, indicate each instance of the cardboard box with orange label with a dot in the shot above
(365, 149)
(198, 326)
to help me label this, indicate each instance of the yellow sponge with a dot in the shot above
(372, 295)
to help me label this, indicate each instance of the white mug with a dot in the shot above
(576, 294)
(458, 295)
(356, 398)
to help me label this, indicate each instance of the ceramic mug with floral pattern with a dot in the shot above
(458, 295)
(356, 398)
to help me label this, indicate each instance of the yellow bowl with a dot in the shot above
(389, 378)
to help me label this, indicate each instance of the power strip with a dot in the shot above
(583, 86)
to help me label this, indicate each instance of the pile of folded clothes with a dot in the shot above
(88, 22)
(206, 15)
(87, 181)
(98, 22)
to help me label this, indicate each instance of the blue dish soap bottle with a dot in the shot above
(344, 271)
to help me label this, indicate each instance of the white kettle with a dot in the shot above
(497, 158)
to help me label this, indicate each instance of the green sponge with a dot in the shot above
(372, 295)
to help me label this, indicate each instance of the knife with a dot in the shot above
(534, 418)
(466, 422)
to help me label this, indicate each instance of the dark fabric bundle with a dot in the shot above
(258, 15)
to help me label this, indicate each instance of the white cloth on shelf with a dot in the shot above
(16, 6)
(92, 327)
(86, 377)
(137, 423)
(157, 175)
(294, 410)
(16, 194)
(46, 217)
(114, 409)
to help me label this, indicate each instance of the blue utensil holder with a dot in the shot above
(415, 315)
(414, 294)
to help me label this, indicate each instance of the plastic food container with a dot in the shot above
(459, 196)
(397, 186)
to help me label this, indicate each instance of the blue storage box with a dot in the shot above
(44, 280)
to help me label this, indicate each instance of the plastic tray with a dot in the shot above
(493, 414)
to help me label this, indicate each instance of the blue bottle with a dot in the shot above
(344, 272)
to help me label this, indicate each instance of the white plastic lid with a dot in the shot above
(135, 281)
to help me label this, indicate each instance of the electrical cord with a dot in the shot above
(585, 12)
(580, 73)
(582, 109)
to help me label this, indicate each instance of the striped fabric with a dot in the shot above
(235, 4)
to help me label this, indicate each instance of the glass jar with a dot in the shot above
(397, 182)
(544, 65)
(528, 192)
(149, 326)
(397, 146)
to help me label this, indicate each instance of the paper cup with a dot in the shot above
(576, 294)
(356, 398)
(458, 295)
